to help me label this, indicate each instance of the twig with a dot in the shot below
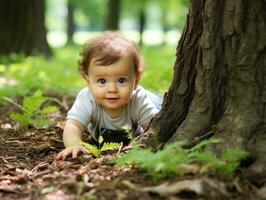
(120, 148)
(42, 164)
(5, 161)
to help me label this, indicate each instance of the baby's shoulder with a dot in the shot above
(139, 93)
(85, 93)
(139, 96)
(85, 97)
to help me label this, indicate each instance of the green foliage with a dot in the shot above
(59, 75)
(170, 13)
(159, 63)
(232, 157)
(94, 11)
(88, 196)
(11, 58)
(97, 151)
(174, 160)
(47, 190)
(56, 76)
(32, 112)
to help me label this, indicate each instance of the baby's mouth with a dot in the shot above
(112, 98)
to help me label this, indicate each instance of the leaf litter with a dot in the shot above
(29, 170)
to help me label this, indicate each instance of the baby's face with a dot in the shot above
(112, 85)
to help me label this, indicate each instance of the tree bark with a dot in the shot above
(113, 14)
(219, 84)
(23, 27)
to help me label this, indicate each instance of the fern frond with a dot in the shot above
(136, 155)
(32, 114)
(204, 143)
(22, 119)
(54, 100)
(93, 149)
(171, 160)
(228, 168)
(110, 146)
(34, 102)
(234, 155)
(39, 122)
(7, 99)
(100, 139)
(49, 109)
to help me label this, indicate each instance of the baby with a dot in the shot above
(113, 100)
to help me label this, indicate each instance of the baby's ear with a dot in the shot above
(138, 77)
(86, 78)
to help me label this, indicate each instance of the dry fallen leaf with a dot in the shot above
(167, 189)
(200, 187)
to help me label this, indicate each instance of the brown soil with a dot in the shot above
(29, 170)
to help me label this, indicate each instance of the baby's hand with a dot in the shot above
(74, 150)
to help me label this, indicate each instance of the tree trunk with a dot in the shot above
(219, 84)
(164, 26)
(70, 22)
(142, 22)
(113, 14)
(23, 27)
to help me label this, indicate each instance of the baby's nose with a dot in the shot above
(112, 87)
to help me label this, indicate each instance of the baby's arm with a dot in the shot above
(71, 137)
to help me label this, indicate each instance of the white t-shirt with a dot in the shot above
(139, 111)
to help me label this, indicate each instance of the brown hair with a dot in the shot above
(107, 49)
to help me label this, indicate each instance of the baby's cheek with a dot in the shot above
(97, 93)
(126, 96)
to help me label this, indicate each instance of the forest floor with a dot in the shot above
(29, 170)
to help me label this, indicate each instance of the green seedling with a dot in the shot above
(174, 160)
(47, 190)
(97, 151)
(32, 113)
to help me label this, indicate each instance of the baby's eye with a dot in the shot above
(122, 80)
(101, 81)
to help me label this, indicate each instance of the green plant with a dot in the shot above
(175, 160)
(32, 112)
(97, 151)
(48, 189)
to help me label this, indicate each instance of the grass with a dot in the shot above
(58, 75)
(159, 62)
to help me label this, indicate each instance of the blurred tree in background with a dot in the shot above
(135, 16)
(70, 21)
(113, 15)
(23, 27)
(24, 23)
(173, 13)
(90, 15)
(137, 9)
